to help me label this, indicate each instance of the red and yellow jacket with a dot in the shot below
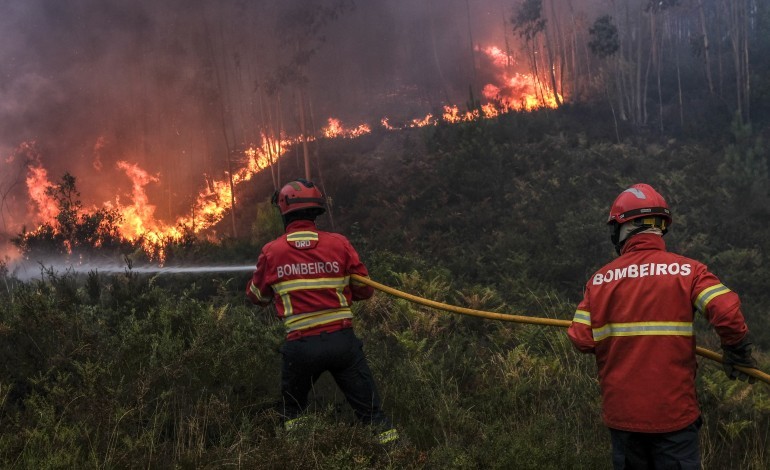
(306, 273)
(636, 316)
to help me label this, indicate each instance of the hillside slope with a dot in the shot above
(519, 203)
(130, 370)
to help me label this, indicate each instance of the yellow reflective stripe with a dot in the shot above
(708, 294)
(255, 290)
(295, 423)
(288, 310)
(313, 319)
(318, 283)
(285, 288)
(645, 328)
(302, 236)
(341, 296)
(387, 436)
(581, 316)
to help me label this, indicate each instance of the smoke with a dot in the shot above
(176, 87)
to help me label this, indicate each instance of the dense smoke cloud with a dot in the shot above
(176, 85)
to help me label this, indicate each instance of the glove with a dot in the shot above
(738, 355)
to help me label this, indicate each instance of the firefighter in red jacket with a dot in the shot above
(306, 274)
(636, 316)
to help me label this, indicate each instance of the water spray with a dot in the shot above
(29, 270)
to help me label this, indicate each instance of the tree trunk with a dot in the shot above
(573, 58)
(706, 52)
(223, 124)
(738, 34)
(679, 90)
(267, 136)
(280, 136)
(437, 60)
(317, 156)
(638, 82)
(474, 85)
(303, 132)
(746, 65)
(552, 41)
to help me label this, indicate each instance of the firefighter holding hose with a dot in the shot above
(636, 316)
(306, 274)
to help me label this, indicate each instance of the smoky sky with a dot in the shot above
(176, 85)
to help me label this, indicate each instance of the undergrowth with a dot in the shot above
(169, 380)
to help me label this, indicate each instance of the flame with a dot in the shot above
(453, 115)
(212, 203)
(510, 92)
(335, 129)
(37, 186)
(517, 92)
(498, 57)
(426, 121)
(138, 218)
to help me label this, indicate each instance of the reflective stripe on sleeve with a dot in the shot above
(582, 317)
(255, 290)
(647, 328)
(288, 310)
(296, 423)
(708, 294)
(388, 436)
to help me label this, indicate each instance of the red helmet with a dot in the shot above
(640, 200)
(297, 195)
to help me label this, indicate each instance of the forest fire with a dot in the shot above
(138, 220)
(515, 91)
(335, 129)
(138, 216)
(37, 183)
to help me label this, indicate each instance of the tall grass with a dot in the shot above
(145, 376)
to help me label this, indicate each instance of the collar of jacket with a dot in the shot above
(643, 241)
(300, 225)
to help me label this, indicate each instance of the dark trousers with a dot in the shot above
(341, 353)
(668, 450)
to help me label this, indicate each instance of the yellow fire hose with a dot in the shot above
(756, 373)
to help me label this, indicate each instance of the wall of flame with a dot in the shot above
(510, 92)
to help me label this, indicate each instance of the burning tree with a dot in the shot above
(530, 23)
(73, 230)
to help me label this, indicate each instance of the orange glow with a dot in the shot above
(515, 91)
(489, 110)
(510, 92)
(139, 217)
(37, 184)
(426, 121)
(335, 129)
(499, 58)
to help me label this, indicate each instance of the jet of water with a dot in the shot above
(28, 270)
